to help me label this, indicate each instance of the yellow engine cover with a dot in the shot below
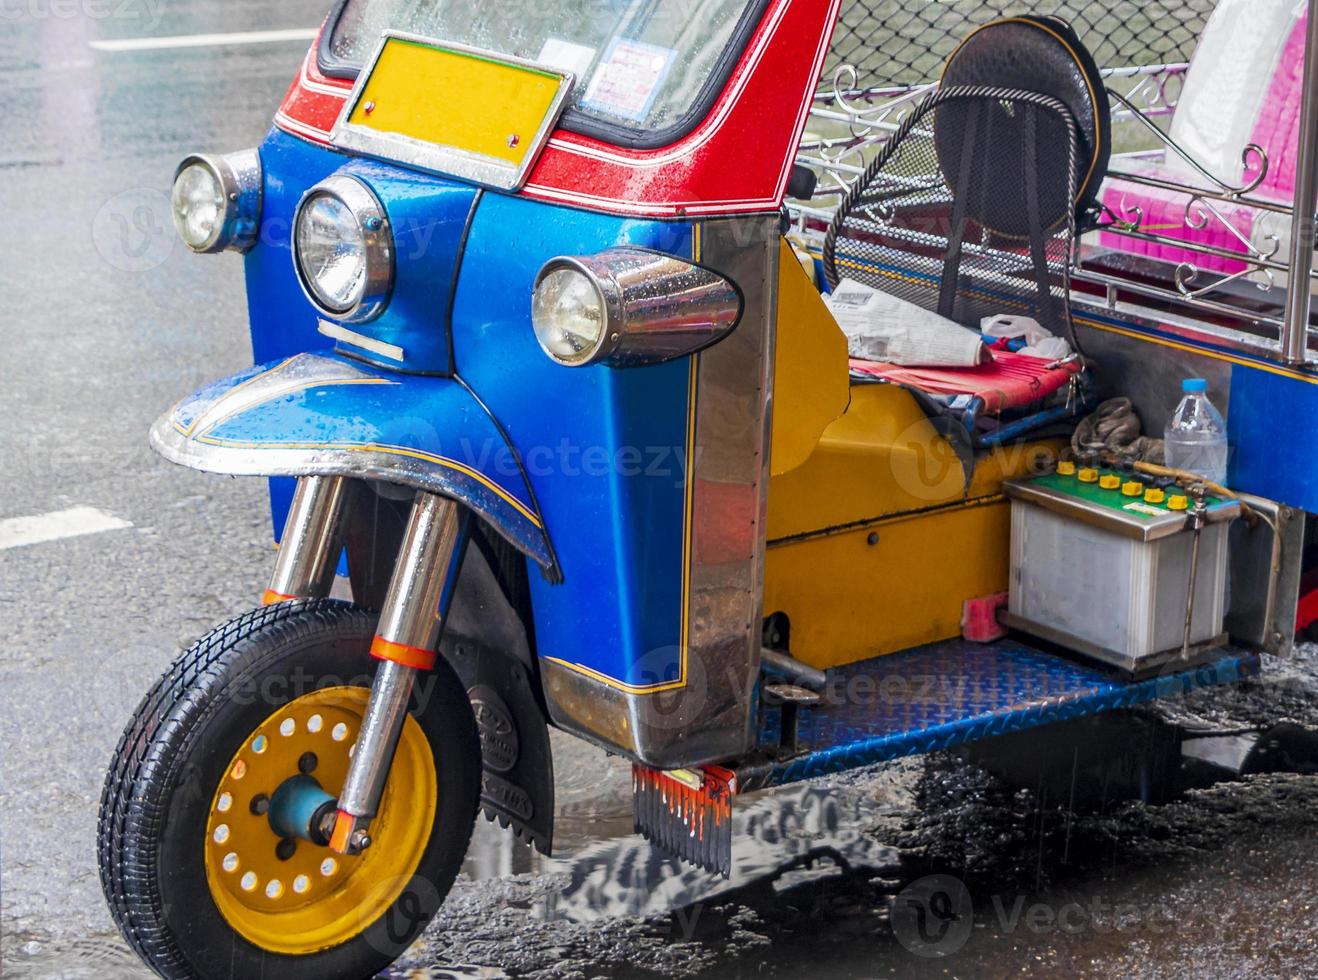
(875, 541)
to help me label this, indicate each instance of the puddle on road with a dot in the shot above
(612, 872)
(95, 958)
(816, 868)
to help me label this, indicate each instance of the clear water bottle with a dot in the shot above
(1196, 435)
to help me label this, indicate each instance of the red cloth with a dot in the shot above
(1008, 381)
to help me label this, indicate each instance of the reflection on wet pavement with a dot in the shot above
(856, 876)
(88, 959)
(922, 868)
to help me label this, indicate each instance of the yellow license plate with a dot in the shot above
(453, 110)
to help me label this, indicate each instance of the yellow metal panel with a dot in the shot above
(875, 541)
(811, 384)
(849, 599)
(882, 458)
(457, 99)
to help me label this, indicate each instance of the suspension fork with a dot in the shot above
(312, 542)
(406, 641)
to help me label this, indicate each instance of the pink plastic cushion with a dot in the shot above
(1278, 128)
(1164, 212)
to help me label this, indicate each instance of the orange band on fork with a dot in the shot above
(342, 828)
(401, 653)
(270, 597)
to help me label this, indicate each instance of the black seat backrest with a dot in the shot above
(971, 208)
(968, 210)
(1044, 54)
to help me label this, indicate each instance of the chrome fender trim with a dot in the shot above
(324, 414)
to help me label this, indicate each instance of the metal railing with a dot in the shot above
(1295, 332)
(1228, 288)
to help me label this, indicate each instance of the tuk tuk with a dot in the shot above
(563, 430)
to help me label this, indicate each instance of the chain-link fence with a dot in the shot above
(905, 42)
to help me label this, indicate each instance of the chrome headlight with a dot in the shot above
(628, 307)
(216, 201)
(343, 249)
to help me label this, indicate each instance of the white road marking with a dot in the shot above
(204, 40)
(74, 522)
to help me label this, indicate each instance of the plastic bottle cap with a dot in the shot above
(1066, 468)
(1155, 495)
(1132, 488)
(1088, 475)
(1178, 502)
(1110, 482)
(1194, 385)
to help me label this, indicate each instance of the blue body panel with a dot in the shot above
(283, 322)
(1274, 439)
(428, 217)
(324, 413)
(949, 693)
(605, 450)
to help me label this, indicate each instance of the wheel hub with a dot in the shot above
(304, 897)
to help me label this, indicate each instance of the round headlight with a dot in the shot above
(569, 315)
(198, 201)
(628, 307)
(343, 249)
(216, 201)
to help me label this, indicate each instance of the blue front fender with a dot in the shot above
(327, 415)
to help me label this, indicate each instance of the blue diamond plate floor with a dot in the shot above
(944, 694)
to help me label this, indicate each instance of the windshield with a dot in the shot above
(640, 65)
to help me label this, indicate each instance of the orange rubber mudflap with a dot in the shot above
(687, 813)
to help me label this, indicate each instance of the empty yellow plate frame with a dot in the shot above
(452, 110)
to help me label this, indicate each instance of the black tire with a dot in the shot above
(168, 765)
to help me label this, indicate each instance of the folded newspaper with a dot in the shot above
(880, 327)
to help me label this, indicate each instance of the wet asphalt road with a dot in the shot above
(108, 320)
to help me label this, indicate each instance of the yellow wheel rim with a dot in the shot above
(315, 899)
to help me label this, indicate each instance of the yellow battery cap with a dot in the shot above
(1110, 481)
(1178, 501)
(1132, 488)
(1087, 474)
(1155, 495)
(1066, 468)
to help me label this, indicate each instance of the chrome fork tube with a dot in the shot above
(405, 642)
(313, 538)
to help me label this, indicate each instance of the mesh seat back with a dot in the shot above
(968, 209)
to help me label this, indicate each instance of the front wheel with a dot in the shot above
(197, 878)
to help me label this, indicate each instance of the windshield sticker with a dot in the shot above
(566, 56)
(628, 79)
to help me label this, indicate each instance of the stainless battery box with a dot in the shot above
(1103, 570)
